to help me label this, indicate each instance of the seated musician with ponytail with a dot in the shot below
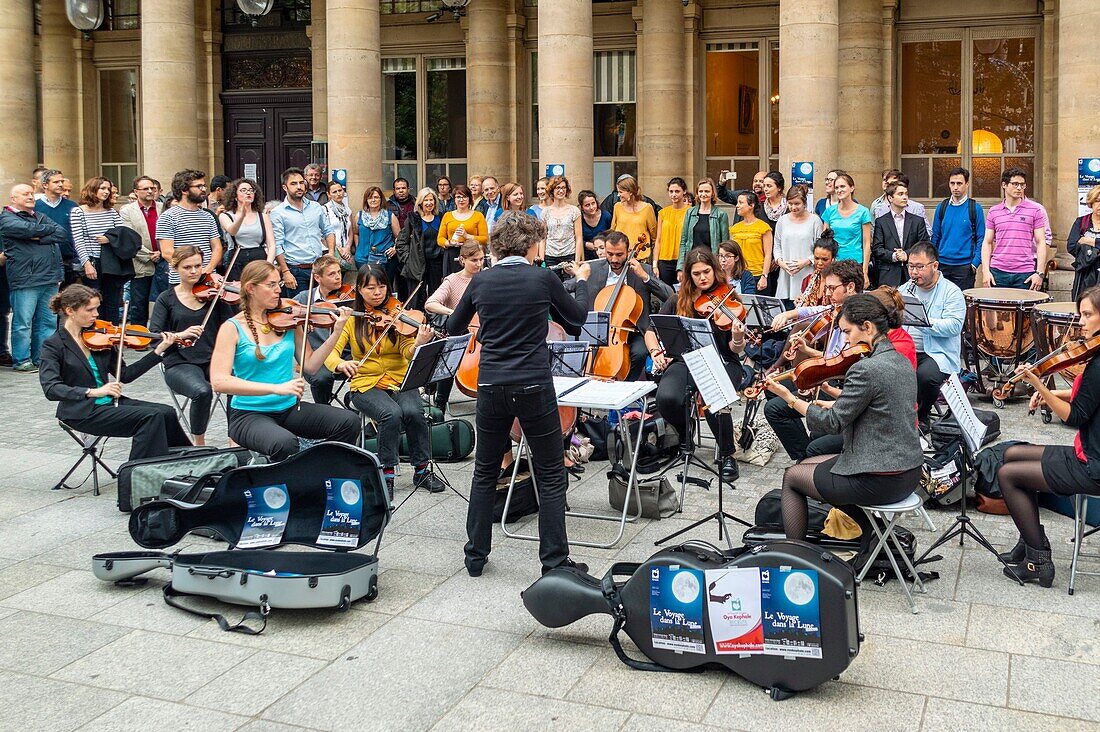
(77, 378)
(187, 370)
(255, 363)
(702, 274)
(328, 278)
(376, 379)
(880, 460)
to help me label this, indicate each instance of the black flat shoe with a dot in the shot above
(475, 567)
(729, 470)
(575, 469)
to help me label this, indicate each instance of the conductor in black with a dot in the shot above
(514, 301)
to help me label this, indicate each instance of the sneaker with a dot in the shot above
(25, 368)
(429, 480)
(5, 359)
(390, 480)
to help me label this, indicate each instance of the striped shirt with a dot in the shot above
(1014, 235)
(86, 226)
(186, 228)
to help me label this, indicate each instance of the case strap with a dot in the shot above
(171, 593)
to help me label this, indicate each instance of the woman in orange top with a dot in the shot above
(634, 216)
(459, 226)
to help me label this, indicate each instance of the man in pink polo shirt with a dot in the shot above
(1015, 249)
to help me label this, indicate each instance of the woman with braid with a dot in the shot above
(255, 362)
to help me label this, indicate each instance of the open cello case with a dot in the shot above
(329, 497)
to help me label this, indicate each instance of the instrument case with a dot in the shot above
(140, 481)
(329, 497)
(786, 618)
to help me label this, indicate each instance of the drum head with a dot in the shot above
(1006, 295)
(1000, 320)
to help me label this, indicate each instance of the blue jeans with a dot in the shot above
(31, 321)
(302, 276)
(160, 280)
(1015, 280)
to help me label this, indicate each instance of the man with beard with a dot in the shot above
(402, 202)
(187, 223)
(302, 233)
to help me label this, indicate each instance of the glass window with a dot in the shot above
(614, 116)
(446, 113)
(1004, 95)
(732, 104)
(930, 104)
(614, 125)
(773, 101)
(118, 115)
(399, 109)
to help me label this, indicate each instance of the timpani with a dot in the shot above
(999, 325)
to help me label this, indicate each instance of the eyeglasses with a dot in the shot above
(727, 256)
(245, 190)
(827, 289)
(1017, 183)
(200, 187)
(917, 267)
(830, 179)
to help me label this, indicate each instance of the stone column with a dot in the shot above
(355, 89)
(489, 133)
(169, 89)
(19, 138)
(61, 136)
(318, 42)
(860, 129)
(808, 85)
(1078, 110)
(565, 88)
(663, 139)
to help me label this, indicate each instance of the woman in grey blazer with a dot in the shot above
(876, 414)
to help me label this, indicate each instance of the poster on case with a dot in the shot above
(676, 609)
(1088, 176)
(733, 608)
(343, 513)
(789, 600)
(268, 508)
(802, 173)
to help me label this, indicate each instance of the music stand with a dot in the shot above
(709, 374)
(432, 362)
(762, 310)
(973, 434)
(567, 357)
(596, 329)
(915, 315)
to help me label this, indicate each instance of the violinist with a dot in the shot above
(78, 379)
(1063, 470)
(940, 345)
(328, 279)
(443, 301)
(843, 279)
(880, 459)
(732, 261)
(813, 287)
(379, 359)
(702, 275)
(607, 272)
(255, 362)
(187, 370)
(514, 302)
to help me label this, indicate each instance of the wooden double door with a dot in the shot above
(266, 133)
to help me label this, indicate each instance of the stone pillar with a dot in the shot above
(663, 139)
(169, 89)
(808, 84)
(61, 136)
(489, 133)
(565, 88)
(19, 139)
(355, 89)
(860, 130)
(318, 42)
(1078, 109)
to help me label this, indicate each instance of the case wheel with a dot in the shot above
(998, 403)
(372, 590)
(1046, 416)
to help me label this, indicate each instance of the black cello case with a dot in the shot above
(629, 591)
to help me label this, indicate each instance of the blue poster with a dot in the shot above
(803, 174)
(676, 609)
(343, 513)
(268, 508)
(789, 600)
(1088, 176)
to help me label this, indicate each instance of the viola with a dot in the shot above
(1070, 353)
(814, 372)
(721, 306)
(625, 307)
(292, 314)
(213, 285)
(103, 335)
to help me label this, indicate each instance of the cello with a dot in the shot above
(625, 307)
(466, 376)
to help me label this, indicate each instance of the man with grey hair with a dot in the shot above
(491, 204)
(32, 257)
(56, 207)
(316, 189)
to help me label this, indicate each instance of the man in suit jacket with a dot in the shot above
(141, 216)
(640, 278)
(896, 231)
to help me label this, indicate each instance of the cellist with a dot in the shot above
(606, 273)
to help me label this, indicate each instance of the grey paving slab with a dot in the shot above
(1034, 633)
(544, 667)
(1054, 687)
(941, 714)
(18, 576)
(74, 594)
(145, 609)
(398, 589)
(260, 680)
(981, 582)
(41, 644)
(885, 612)
(483, 709)
(649, 723)
(31, 534)
(420, 670)
(32, 703)
(18, 501)
(153, 664)
(422, 554)
(266, 725)
(143, 713)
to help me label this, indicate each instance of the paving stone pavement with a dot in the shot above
(439, 650)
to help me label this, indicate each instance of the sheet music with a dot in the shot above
(597, 394)
(972, 428)
(915, 315)
(711, 378)
(699, 333)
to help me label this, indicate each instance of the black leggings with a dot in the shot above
(192, 381)
(672, 396)
(276, 434)
(929, 381)
(1021, 481)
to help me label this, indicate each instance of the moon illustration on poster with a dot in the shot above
(275, 497)
(349, 492)
(799, 588)
(685, 587)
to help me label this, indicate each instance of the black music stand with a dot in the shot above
(963, 526)
(915, 314)
(761, 312)
(432, 362)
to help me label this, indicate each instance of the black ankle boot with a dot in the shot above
(1016, 554)
(1036, 567)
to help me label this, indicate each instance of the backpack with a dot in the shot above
(972, 207)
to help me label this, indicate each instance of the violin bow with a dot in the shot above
(121, 344)
(221, 289)
(378, 339)
(305, 332)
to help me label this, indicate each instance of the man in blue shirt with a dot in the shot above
(54, 206)
(958, 227)
(302, 233)
(491, 206)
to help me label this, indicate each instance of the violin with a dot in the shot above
(103, 335)
(1070, 353)
(213, 285)
(405, 322)
(625, 307)
(346, 293)
(721, 306)
(814, 372)
(291, 314)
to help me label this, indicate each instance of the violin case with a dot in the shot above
(329, 497)
(783, 615)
